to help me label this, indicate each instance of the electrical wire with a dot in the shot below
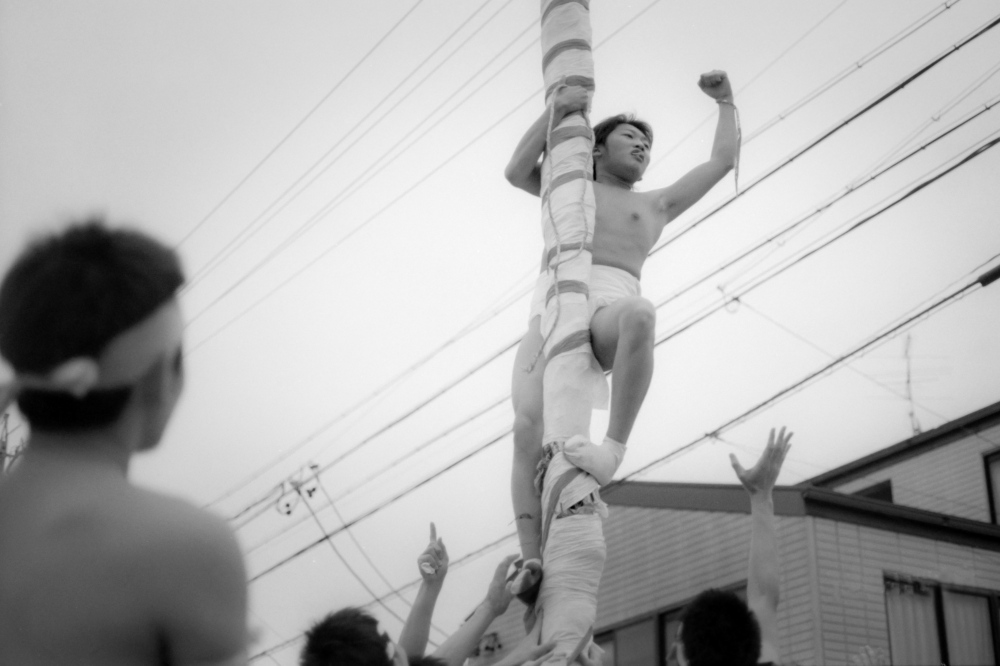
(977, 152)
(955, 126)
(852, 187)
(965, 41)
(465, 559)
(479, 321)
(936, 117)
(982, 281)
(378, 166)
(343, 560)
(252, 228)
(827, 85)
(297, 125)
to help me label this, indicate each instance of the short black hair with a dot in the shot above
(718, 629)
(604, 128)
(608, 125)
(68, 295)
(349, 637)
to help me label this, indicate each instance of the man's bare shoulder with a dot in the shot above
(181, 536)
(93, 555)
(196, 573)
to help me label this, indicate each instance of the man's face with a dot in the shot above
(625, 153)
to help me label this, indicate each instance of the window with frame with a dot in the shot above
(934, 623)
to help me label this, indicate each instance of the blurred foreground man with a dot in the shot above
(93, 570)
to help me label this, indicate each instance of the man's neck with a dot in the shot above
(612, 180)
(103, 448)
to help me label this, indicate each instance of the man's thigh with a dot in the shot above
(605, 328)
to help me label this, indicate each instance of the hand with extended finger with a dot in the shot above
(433, 562)
(716, 85)
(762, 476)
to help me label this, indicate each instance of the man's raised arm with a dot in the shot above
(524, 170)
(677, 198)
(433, 566)
(460, 645)
(762, 580)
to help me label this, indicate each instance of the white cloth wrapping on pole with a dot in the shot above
(573, 549)
(568, 213)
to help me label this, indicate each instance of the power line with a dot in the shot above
(498, 437)
(856, 185)
(983, 280)
(380, 163)
(827, 85)
(343, 560)
(824, 244)
(655, 250)
(251, 230)
(465, 559)
(698, 221)
(925, 68)
(297, 126)
(854, 67)
(955, 126)
(955, 101)
(830, 132)
(378, 167)
(328, 424)
(361, 483)
(393, 464)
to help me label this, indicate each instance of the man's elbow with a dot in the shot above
(513, 176)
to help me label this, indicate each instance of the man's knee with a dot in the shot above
(638, 320)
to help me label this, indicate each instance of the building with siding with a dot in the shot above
(898, 550)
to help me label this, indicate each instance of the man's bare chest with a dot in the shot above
(626, 218)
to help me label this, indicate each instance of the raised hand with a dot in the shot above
(716, 85)
(433, 562)
(568, 99)
(762, 476)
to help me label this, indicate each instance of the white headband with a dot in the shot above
(122, 362)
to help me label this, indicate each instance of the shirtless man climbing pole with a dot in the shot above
(628, 224)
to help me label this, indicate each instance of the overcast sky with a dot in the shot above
(332, 175)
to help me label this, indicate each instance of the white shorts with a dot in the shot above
(607, 285)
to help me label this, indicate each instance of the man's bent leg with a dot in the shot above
(622, 338)
(526, 395)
